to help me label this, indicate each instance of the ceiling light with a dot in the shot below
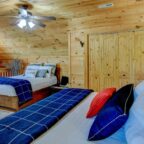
(25, 24)
(31, 24)
(22, 23)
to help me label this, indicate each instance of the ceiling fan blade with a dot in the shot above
(44, 18)
(4, 16)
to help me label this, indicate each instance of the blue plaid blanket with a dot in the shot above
(26, 125)
(22, 87)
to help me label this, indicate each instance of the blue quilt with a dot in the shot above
(22, 87)
(26, 125)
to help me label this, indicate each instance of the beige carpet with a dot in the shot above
(4, 113)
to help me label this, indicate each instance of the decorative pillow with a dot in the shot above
(113, 115)
(53, 66)
(31, 73)
(41, 73)
(99, 100)
(31, 67)
(49, 70)
(36, 64)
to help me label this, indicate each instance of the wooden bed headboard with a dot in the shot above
(10, 67)
(6, 70)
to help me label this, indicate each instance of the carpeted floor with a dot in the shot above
(4, 113)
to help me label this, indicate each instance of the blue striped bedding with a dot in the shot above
(22, 87)
(26, 125)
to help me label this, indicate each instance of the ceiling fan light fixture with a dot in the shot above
(22, 23)
(31, 24)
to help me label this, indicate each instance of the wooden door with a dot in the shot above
(115, 59)
(102, 61)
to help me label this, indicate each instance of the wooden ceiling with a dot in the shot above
(72, 10)
(66, 9)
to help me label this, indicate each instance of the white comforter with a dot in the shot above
(37, 84)
(74, 128)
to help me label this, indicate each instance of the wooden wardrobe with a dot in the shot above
(106, 60)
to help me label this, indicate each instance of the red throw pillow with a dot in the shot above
(99, 100)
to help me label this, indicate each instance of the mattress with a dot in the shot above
(36, 83)
(74, 128)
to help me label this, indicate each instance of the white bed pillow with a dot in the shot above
(134, 127)
(32, 67)
(48, 68)
(53, 66)
(139, 89)
(31, 73)
(41, 73)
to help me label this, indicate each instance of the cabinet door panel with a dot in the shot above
(95, 46)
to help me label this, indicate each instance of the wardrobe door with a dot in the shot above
(109, 60)
(139, 56)
(103, 49)
(95, 60)
(125, 58)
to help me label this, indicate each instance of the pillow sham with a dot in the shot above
(36, 64)
(113, 115)
(53, 66)
(31, 73)
(99, 100)
(49, 70)
(41, 73)
(32, 67)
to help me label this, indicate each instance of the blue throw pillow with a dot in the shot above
(113, 115)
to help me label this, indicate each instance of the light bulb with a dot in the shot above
(31, 24)
(22, 23)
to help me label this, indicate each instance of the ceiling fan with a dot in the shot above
(27, 21)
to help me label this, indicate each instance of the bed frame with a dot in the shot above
(11, 102)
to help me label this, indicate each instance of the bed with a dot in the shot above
(74, 127)
(40, 88)
(30, 122)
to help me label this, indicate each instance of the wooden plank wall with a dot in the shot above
(48, 44)
(76, 60)
(125, 16)
(112, 60)
(81, 19)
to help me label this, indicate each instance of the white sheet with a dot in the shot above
(37, 84)
(74, 128)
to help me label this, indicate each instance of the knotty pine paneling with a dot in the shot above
(109, 60)
(48, 44)
(125, 58)
(76, 60)
(124, 15)
(115, 59)
(138, 58)
(109, 31)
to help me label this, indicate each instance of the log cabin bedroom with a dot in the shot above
(71, 72)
